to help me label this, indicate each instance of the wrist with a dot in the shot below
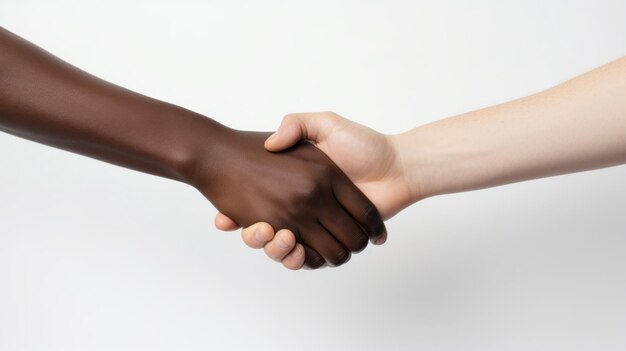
(194, 157)
(421, 166)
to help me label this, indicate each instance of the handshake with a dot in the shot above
(319, 194)
(325, 200)
(318, 189)
(298, 189)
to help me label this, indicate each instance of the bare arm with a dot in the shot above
(576, 126)
(52, 102)
(47, 100)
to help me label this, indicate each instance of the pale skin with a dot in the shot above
(576, 126)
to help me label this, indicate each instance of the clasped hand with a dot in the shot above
(368, 158)
(299, 189)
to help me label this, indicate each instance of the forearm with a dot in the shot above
(579, 125)
(49, 101)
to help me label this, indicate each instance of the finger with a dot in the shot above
(345, 229)
(312, 259)
(283, 243)
(325, 244)
(257, 235)
(295, 259)
(360, 207)
(381, 240)
(224, 223)
(297, 126)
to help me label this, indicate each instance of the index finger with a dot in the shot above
(359, 207)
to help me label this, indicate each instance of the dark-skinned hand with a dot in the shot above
(300, 189)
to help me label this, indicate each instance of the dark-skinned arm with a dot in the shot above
(47, 100)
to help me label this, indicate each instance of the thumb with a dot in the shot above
(313, 126)
(224, 223)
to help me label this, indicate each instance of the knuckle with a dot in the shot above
(356, 239)
(372, 219)
(310, 191)
(287, 240)
(360, 244)
(369, 212)
(314, 262)
(310, 188)
(340, 257)
(291, 117)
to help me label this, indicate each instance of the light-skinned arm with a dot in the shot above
(576, 126)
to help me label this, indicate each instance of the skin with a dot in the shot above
(576, 126)
(46, 100)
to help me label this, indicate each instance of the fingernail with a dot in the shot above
(297, 252)
(281, 241)
(380, 240)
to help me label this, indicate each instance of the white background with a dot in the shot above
(96, 257)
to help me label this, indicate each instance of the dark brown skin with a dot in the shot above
(44, 99)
